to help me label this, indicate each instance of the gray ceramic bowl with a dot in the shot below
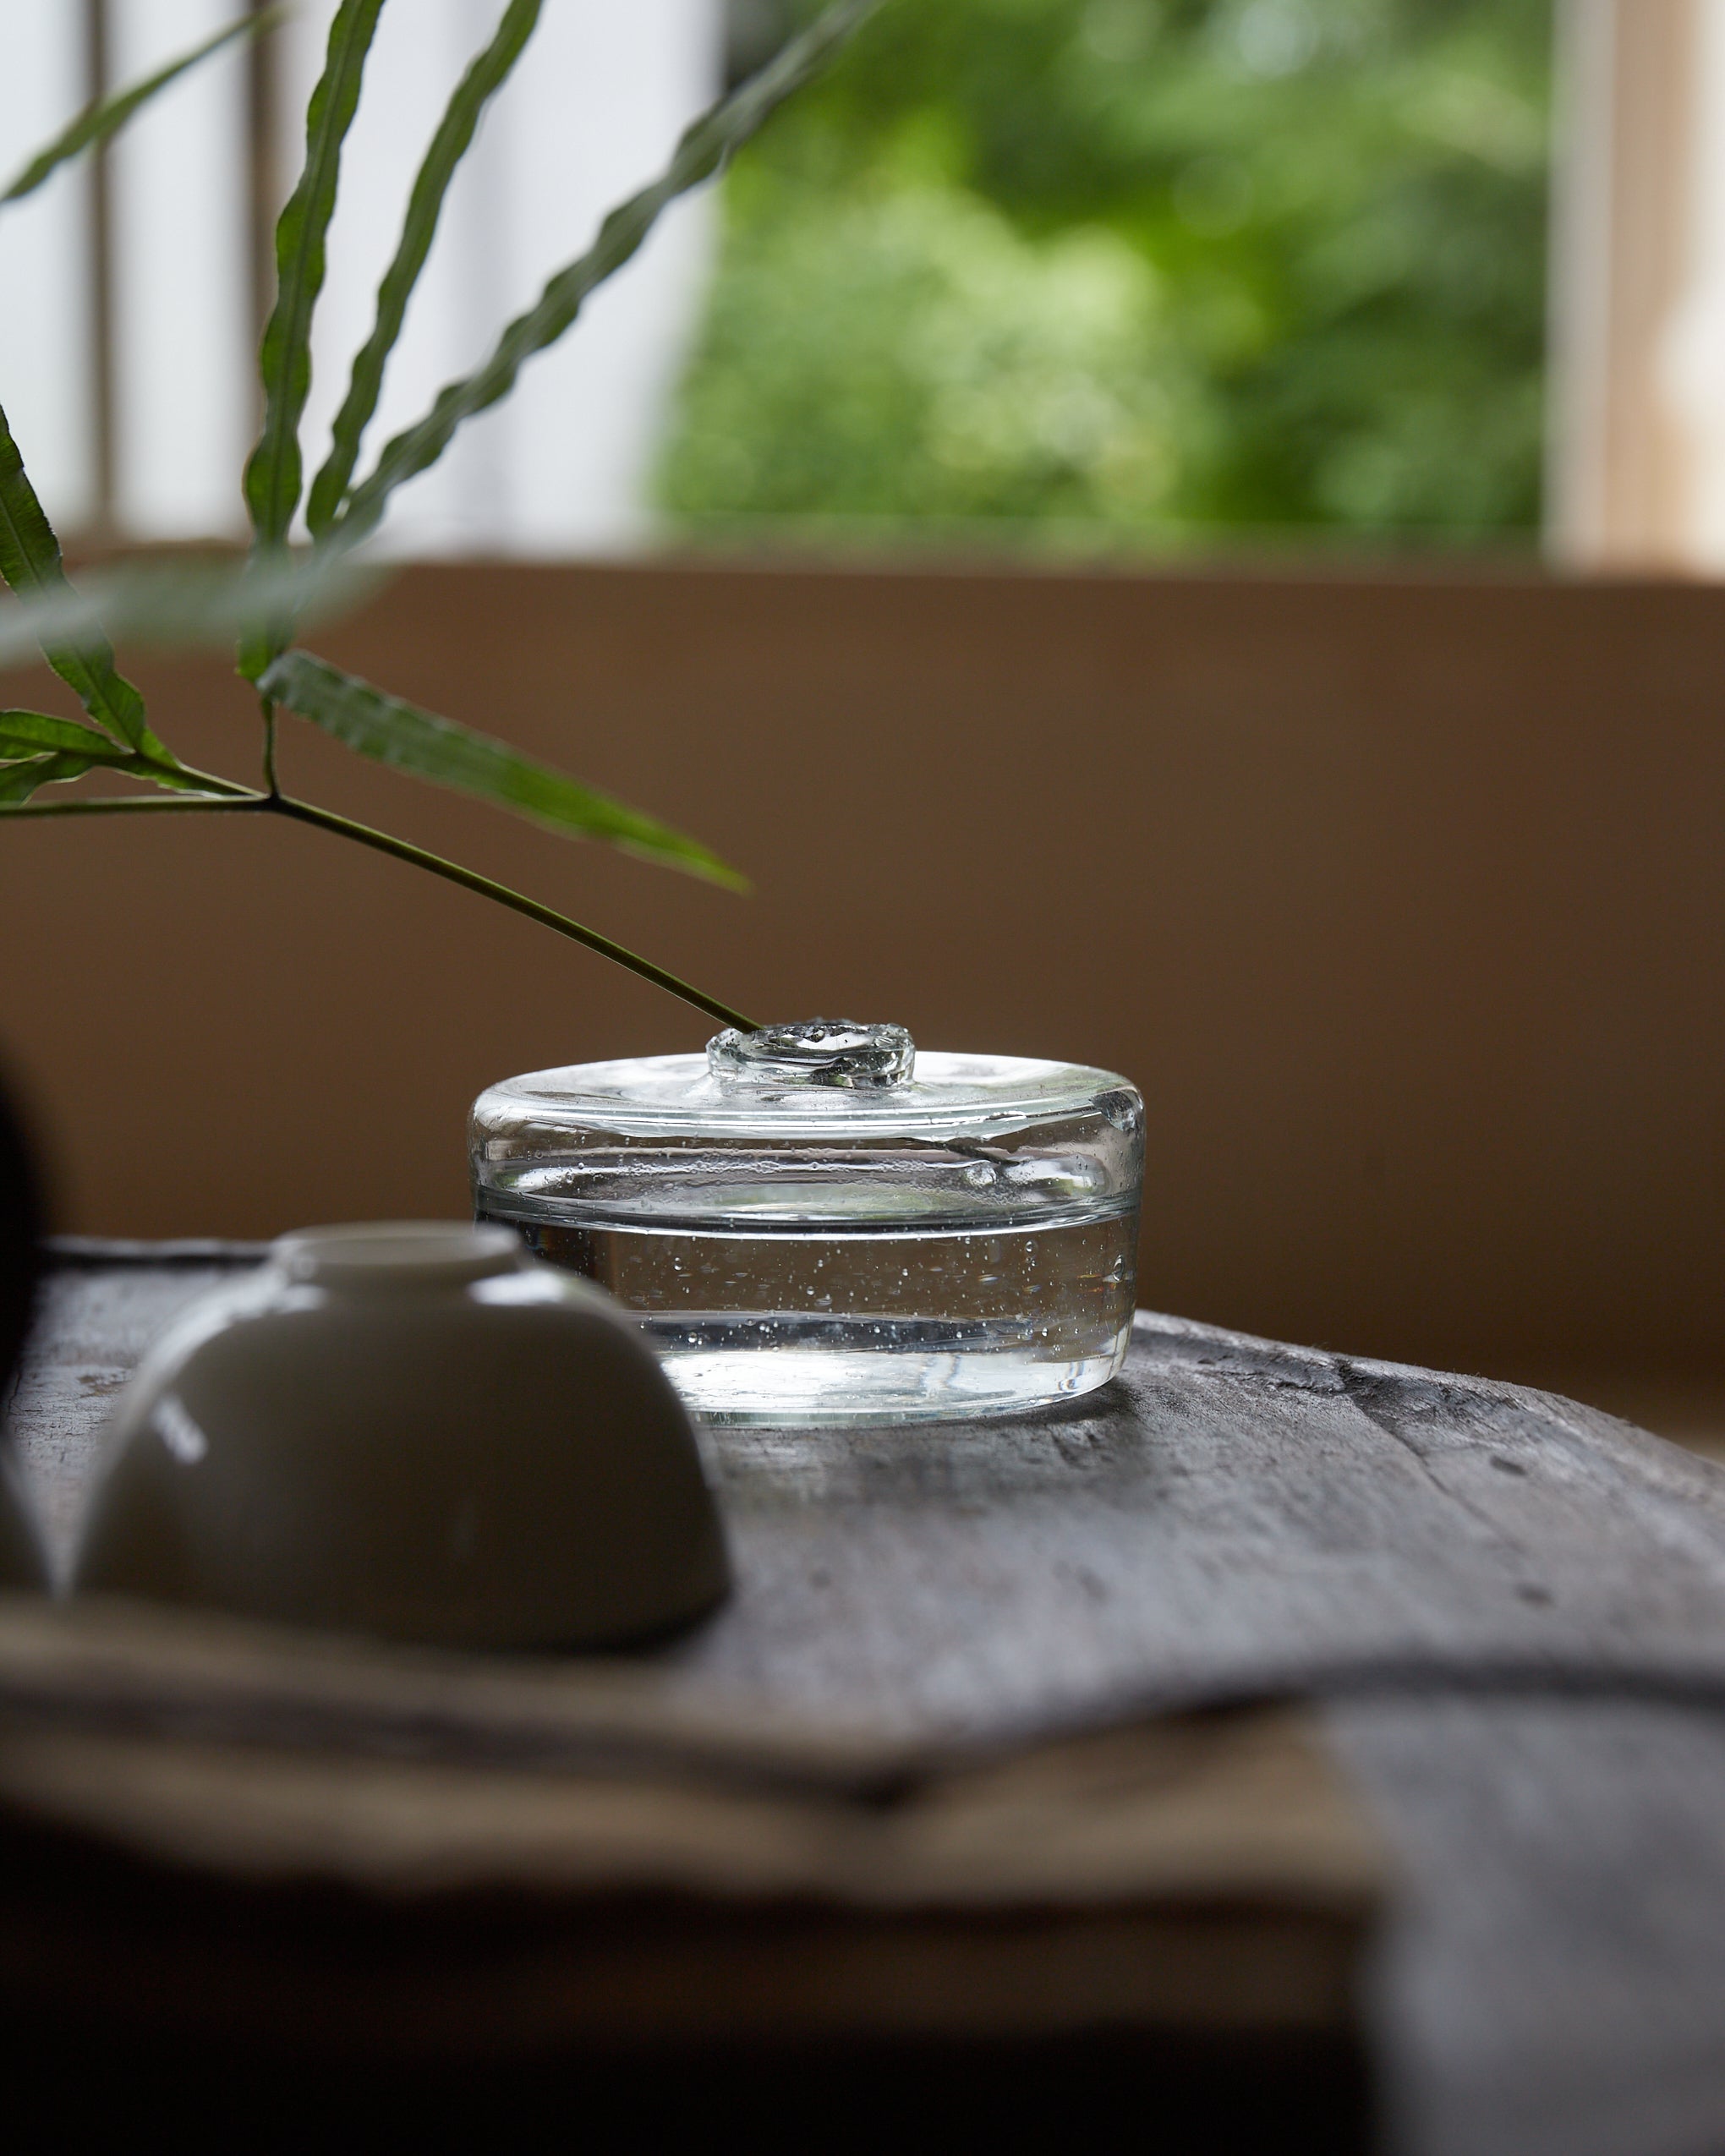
(411, 1430)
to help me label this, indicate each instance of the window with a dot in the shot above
(1188, 271)
(1133, 275)
(136, 404)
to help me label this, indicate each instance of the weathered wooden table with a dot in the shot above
(1509, 1610)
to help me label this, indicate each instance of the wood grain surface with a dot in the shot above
(1230, 1514)
(1513, 1607)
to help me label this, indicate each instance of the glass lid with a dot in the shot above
(823, 1076)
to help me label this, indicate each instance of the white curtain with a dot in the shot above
(1691, 356)
(1638, 318)
(46, 386)
(181, 301)
(594, 109)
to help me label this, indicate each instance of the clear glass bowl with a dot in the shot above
(817, 1224)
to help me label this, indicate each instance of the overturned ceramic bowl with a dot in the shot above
(411, 1430)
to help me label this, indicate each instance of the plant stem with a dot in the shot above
(129, 804)
(270, 784)
(304, 812)
(208, 783)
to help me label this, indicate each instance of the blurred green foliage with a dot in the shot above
(1161, 267)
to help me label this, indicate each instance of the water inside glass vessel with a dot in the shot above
(816, 1224)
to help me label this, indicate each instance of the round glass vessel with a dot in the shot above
(817, 1224)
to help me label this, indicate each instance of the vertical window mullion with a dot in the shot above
(263, 167)
(103, 372)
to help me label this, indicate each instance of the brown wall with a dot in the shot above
(1403, 901)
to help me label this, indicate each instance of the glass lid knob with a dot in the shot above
(818, 1052)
